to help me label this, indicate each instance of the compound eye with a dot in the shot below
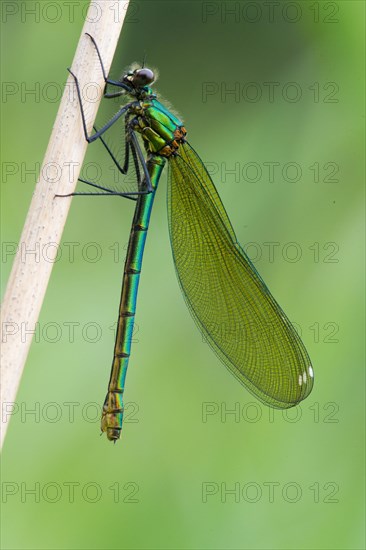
(143, 77)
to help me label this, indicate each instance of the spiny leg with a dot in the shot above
(121, 169)
(140, 155)
(136, 163)
(132, 144)
(111, 192)
(114, 119)
(77, 194)
(106, 79)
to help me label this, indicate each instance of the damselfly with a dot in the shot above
(226, 296)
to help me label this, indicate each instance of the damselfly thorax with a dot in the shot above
(162, 132)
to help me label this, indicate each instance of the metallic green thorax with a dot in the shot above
(162, 133)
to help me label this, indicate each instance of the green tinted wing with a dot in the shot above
(229, 301)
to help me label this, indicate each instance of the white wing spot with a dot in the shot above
(311, 372)
(300, 380)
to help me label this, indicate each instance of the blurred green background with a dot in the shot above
(187, 473)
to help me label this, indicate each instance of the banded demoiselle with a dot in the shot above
(229, 301)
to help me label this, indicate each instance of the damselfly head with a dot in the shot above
(139, 77)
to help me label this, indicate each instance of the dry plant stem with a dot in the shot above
(47, 215)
